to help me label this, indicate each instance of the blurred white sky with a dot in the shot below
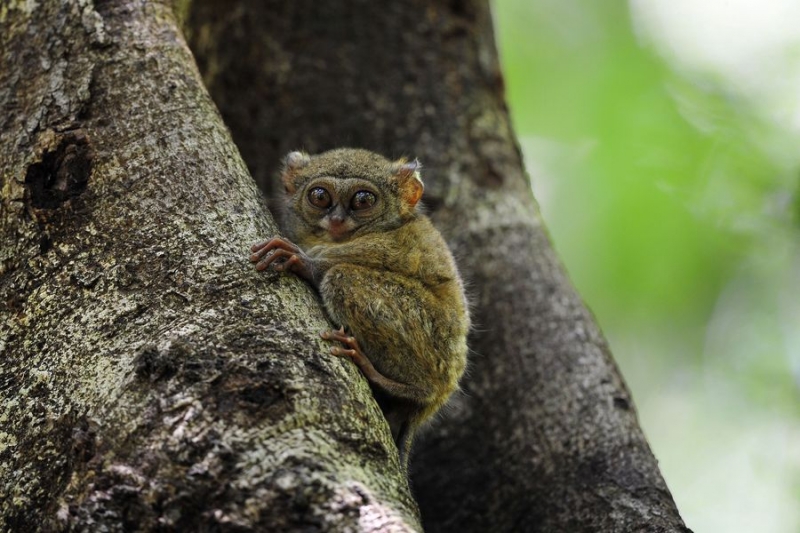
(753, 45)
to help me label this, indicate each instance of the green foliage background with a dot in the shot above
(673, 201)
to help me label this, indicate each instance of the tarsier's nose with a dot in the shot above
(337, 227)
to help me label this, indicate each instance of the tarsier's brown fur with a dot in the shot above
(384, 273)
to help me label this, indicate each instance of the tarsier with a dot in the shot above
(386, 277)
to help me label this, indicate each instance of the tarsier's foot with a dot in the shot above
(352, 351)
(285, 256)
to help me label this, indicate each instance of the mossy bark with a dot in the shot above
(150, 378)
(545, 436)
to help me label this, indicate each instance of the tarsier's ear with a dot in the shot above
(293, 162)
(407, 175)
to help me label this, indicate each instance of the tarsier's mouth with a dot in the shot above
(339, 233)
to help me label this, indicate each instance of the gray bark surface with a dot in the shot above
(545, 435)
(150, 379)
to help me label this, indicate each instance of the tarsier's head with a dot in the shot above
(347, 192)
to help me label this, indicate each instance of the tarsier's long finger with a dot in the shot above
(344, 352)
(340, 336)
(287, 265)
(259, 245)
(258, 253)
(275, 242)
(264, 263)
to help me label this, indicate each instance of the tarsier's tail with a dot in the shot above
(403, 440)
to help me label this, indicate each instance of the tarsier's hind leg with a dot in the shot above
(401, 394)
(401, 423)
(394, 389)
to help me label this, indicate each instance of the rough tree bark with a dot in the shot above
(150, 378)
(545, 436)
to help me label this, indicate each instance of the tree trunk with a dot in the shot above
(545, 435)
(151, 379)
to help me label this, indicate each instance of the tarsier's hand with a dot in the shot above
(285, 256)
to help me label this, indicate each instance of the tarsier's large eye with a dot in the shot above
(319, 197)
(362, 200)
